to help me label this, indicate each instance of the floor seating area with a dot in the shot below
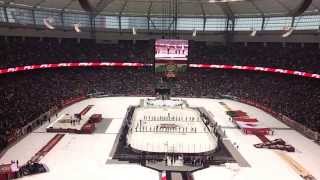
(247, 124)
(80, 123)
(252, 126)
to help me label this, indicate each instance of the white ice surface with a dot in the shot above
(189, 141)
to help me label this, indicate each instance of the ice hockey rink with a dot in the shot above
(194, 138)
(83, 157)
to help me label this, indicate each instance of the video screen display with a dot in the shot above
(171, 49)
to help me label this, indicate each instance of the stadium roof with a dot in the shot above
(186, 8)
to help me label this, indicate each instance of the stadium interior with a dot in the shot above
(265, 53)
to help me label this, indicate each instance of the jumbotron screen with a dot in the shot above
(171, 49)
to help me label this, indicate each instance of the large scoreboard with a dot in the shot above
(171, 56)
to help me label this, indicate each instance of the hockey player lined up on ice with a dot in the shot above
(73, 122)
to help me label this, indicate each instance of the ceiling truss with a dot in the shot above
(225, 7)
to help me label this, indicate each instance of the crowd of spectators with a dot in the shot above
(293, 56)
(17, 51)
(24, 96)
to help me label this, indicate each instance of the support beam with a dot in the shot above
(92, 26)
(124, 5)
(149, 9)
(86, 5)
(119, 23)
(171, 23)
(153, 25)
(149, 14)
(64, 9)
(284, 6)
(292, 21)
(231, 22)
(62, 19)
(263, 23)
(301, 8)
(101, 5)
(202, 9)
(204, 16)
(204, 24)
(228, 35)
(176, 13)
(34, 18)
(315, 7)
(67, 5)
(34, 7)
(120, 14)
(6, 2)
(6, 14)
(62, 13)
(226, 9)
(94, 9)
(257, 8)
(38, 4)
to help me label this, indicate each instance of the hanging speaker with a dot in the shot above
(194, 33)
(253, 32)
(77, 27)
(134, 32)
(48, 22)
(86, 5)
(288, 33)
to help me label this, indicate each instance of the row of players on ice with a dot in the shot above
(171, 118)
(170, 128)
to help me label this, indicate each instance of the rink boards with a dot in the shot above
(170, 129)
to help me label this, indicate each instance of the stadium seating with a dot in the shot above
(292, 56)
(16, 51)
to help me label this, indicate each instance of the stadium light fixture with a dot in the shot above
(194, 33)
(288, 32)
(253, 33)
(77, 27)
(134, 32)
(48, 22)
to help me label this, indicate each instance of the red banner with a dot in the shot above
(253, 68)
(117, 64)
(61, 65)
